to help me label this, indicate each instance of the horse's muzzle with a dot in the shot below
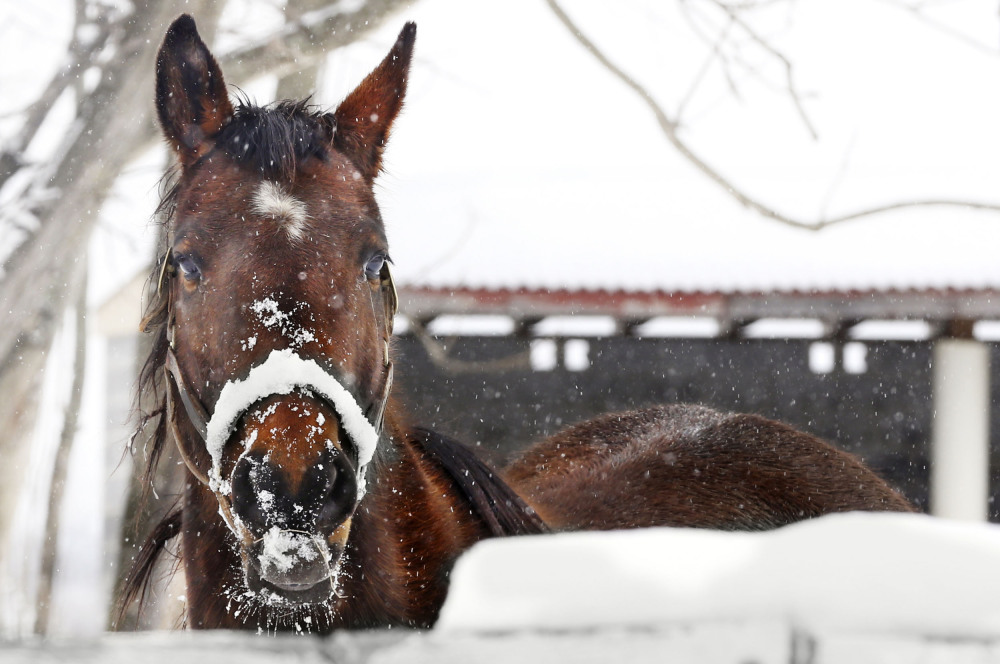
(293, 567)
(294, 489)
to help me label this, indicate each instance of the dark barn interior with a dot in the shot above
(488, 391)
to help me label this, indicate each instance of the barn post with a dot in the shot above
(959, 484)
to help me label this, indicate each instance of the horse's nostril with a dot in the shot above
(253, 494)
(341, 495)
(317, 497)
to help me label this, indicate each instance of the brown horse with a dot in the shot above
(310, 502)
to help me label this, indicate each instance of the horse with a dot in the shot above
(312, 501)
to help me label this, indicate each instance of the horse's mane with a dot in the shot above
(151, 427)
(274, 139)
(503, 511)
(135, 585)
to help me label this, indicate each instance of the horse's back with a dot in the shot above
(686, 465)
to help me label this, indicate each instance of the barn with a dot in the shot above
(901, 378)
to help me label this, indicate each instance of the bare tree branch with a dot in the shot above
(79, 53)
(669, 128)
(300, 83)
(439, 356)
(303, 42)
(916, 10)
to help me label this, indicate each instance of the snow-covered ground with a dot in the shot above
(841, 589)
(888, 574)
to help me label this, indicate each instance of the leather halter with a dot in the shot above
(197, 415)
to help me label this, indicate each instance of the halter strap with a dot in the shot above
(195, 411)
(198, 416)
(175, 384)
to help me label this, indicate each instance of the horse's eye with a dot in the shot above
(373, 268)
(188, 267)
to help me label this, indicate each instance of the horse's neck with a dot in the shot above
(494, 502)
(405, 537)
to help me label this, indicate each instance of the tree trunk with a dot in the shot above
(50, 541)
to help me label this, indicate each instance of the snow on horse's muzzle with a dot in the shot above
(289, 447)
(295, 566)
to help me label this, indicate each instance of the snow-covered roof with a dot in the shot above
(630, 307)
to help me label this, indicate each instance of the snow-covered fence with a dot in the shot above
(843, 589)
(749, 641)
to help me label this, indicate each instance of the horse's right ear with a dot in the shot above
(191, 98)
(366, 115)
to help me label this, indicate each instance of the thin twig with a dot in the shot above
(793, 91)
(692, 16)
(916, 11)
(713, 56)
(841, 175)
(439, 356)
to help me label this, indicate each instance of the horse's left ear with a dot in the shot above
(365, 117)
(191, 98)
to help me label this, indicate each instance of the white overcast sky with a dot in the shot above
(519, 161)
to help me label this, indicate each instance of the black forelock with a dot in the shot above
(274, 139)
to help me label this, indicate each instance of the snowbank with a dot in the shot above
(891, 574)
(843, 589)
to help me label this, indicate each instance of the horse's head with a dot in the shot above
(280, 308)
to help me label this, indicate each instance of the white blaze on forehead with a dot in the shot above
(282, 372)
(271, 200)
